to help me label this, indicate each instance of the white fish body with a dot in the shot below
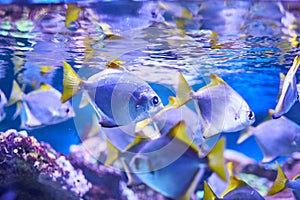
(3, 102)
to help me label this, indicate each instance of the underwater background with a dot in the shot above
(246, 43)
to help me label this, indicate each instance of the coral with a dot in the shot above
(33, 170)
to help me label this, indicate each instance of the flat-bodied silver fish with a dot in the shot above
(118, 97)
(275, 137)
(282, 182)
(171, 164)
(221, 108)
(40, 107)
(3, 102)
(236, 190)
(288, 93)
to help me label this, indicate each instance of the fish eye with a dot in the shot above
(155, 100)
(251, 115)
(67, 110)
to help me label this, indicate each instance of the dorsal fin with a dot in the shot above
(46, 69)
(214, 80)
(234, 181)
(115, 64)
(138, 139)
(184, 91)
(72, 14)
(45, 86)
(296, 177)
(16, 94)
(279, 183)
(179, 132)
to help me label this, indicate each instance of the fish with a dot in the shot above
(220, 107)
(194, 128)
(3, 102)
(164, 162)
(288, 93)
(275, 137)
(282, 182)
(72, 14)
(40, 107)
(236, 190)
(118, 97)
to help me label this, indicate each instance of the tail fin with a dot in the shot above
(245, 134)
(112, 153)
(234, 181)
(72, 14)
(216, 159)
(16, 94)
(208, 193)
(279, 183)
(71, 83)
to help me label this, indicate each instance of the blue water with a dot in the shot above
(254, 44)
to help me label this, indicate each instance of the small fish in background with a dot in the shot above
(275, 137)
(3, 102)
(118, 97)
(221, 108)
(237, 189)
(72, 14)
(281, 183)
(40, 107)
(171, 164)
(288, 93)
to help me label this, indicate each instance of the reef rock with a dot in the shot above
(33, 170)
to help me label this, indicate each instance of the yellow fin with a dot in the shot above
(142, 124)
(234, 181)
(179, 132)
(112, 153)
(214, 80)
(139, 138)
(46, 69)
(115, 64)
(71, 82)
(208, 193)
(45, 86)
(294, 68)
(245, 134)
(216, 159)
(183, 92)
(296, 177)
(16, 94)
(72, 14)
(279, 183)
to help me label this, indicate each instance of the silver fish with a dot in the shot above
(40, 107)
(221, 108)
(288, 93)
(275, 137)
(3, 102)
(118, 97)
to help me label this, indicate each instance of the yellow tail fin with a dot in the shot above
(234, 182)
(279, 183)
(16, 94)
(72, 14)
(112, 153)
(71, 83)
(208, 193)
(216, 159)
